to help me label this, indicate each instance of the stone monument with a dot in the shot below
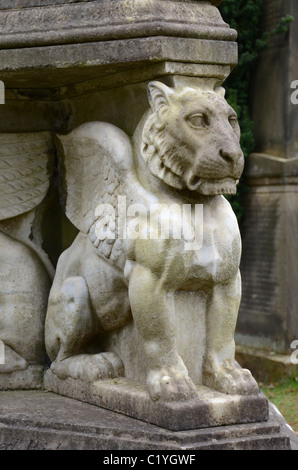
(144, 302)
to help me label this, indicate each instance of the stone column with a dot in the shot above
(268, 318)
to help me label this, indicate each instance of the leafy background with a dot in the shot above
(245, 17)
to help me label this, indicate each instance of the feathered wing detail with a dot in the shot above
(98, 166)
(26, 166)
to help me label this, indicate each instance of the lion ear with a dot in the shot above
(220, 91)
(158, 95)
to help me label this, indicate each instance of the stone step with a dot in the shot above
(45, 421)
(210, 408)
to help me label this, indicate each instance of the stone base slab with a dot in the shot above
(37, 420)
(210, 409)
(30, 378)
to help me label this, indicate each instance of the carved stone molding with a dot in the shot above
(60, 43)
(26, 165)
(110, 19)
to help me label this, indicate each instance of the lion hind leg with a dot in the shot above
(89, 367)
(70, 327)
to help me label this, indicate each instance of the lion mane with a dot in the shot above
(163, 159)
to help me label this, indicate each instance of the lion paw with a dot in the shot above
(89, 367)
(170, 385)
(230, 379)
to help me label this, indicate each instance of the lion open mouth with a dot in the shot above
(211, 187)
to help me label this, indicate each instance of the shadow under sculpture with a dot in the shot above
(139, 322)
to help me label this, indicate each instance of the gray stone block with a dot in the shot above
(28, 379)
(103, 20)
(53, 44)
(211, 408)
(45, 421)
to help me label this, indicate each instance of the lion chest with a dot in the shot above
(216, 259)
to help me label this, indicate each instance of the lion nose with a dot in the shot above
(230, 155)
(234, 158)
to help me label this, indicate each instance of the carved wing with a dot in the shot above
(26, 165)
(98, 166)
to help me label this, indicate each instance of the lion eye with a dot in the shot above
(198, 120)
(233, 121)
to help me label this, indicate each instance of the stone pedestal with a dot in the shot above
(209, 409)
(268, 318)
(45, 421)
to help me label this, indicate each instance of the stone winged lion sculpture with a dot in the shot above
(186, 151)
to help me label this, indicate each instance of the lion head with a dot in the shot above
(191, 140)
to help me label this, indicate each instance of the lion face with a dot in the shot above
(191, 140)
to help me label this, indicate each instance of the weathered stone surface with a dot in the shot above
(60, 85)
(209, 409)
(26, 168)
(45, 51)
(108, 280)
(76, 41)
(110, 19)
(45, 421)
(28, 379)
(56, 66)
(33, 3)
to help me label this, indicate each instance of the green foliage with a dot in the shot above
(245, 17)
(285, 396)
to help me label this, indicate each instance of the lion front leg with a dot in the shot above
(154, 315)
(219, 370)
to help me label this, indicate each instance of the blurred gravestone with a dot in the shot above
(268, 319)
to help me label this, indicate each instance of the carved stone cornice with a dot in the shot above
(70, 23)
(56, 43)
